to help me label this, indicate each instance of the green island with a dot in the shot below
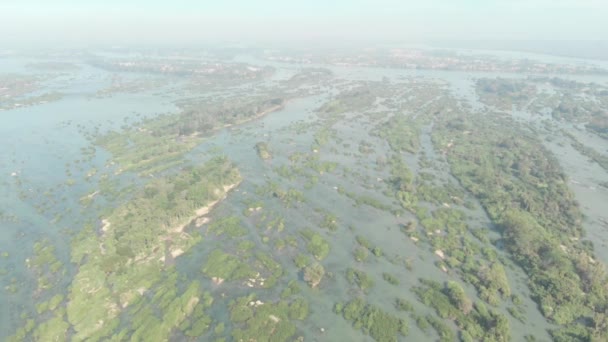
(380, 325)
(158, 144)
(263, 150)
(125, 257)
(539, 219)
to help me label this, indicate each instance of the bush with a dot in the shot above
(360, 278)
(403, 305)
(380, 325)
(391, 279)
(361, 254)
(313, 274)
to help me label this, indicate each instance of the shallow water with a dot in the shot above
(38, 141)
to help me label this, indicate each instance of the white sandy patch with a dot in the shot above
(202, 220)
(440, 254)
(105, 225)
(93, 194)
(191, 303)
(177, 252)
(205, 210)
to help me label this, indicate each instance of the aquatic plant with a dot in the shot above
(380, 325)
(313, 274)
(359, 278)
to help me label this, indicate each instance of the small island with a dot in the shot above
(263, 150)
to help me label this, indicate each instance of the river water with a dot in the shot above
(40, 144)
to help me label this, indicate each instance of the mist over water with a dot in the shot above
(309, 171)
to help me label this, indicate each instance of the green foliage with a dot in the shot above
(298, 309)
(285, 172)
(142, 222)
(443, 330)
(268, 265)
(458, 297)
(318, 246)
(54, 329)
(160, 142)
(391, 279)
(230, 225)
(377, 251)
(244, 246)
(359, 278)
(322, 137)
(313, 274)
(364, 242)
(21, 333)
(361, 254)
(287, 197)
(380, 325)
(517, 314)
(314, 163)
(301, 260)
(291, 289)
(265, 321)
(357, 99)
(402, 304)
(219, 328)
(492, 281)
(50, 305)
(197, 324)
(599, 158)
(330, 221)
(423, 323)
(402, 180)
(523, 188)
(45, 265)
(185, 310)
(263, 150)
(451, 302)
(226, 266)
(143, 152)
(126, 254)
(365, 200)
(402, 133)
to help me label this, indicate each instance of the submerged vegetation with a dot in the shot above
(380, 325)
(159, 143)
(257, 320)
(359, 278)
(413, 213)
(524, 190)
(313, 274)
(125, 257)
(477, 323)
(263, 150)
(316, 245)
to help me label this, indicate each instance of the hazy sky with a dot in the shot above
(182, 21)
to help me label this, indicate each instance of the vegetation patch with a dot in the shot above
(372, 320)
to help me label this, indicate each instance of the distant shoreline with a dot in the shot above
(592, 50)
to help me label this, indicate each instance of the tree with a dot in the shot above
(313, 274)
(458, 297)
